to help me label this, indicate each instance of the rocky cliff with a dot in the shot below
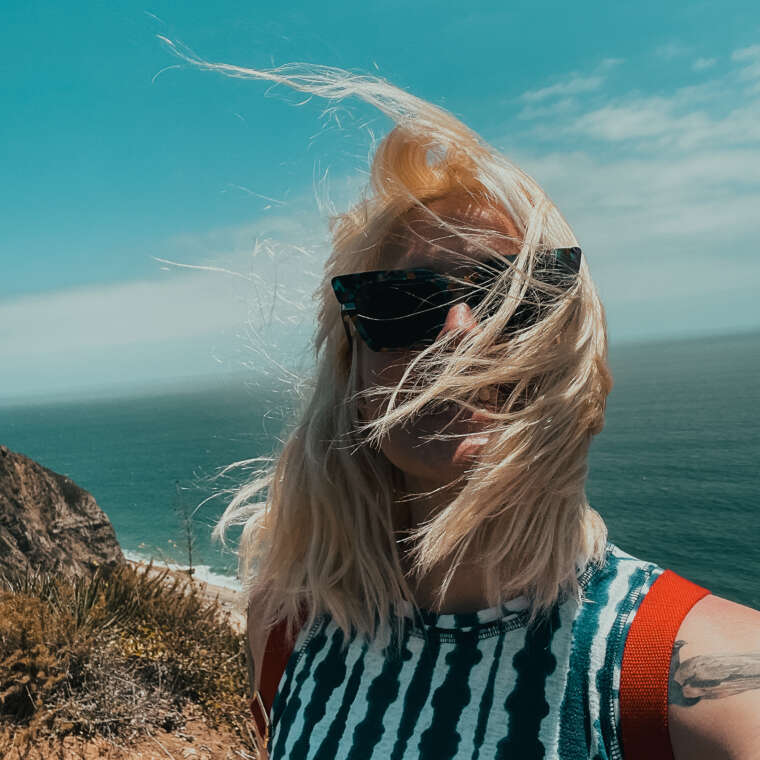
(49, 523)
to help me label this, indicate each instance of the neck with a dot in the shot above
(417, 503)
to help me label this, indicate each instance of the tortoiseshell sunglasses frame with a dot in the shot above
(345, 286)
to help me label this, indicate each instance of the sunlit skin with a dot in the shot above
(425, 465)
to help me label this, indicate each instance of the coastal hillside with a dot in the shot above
(99, 657)
(48, 523)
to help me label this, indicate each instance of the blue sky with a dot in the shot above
(642, 121)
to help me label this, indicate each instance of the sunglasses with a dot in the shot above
(400, 309)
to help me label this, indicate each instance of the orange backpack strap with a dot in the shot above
(646, 666)
(276, 655)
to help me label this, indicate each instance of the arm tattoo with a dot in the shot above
(711, 676)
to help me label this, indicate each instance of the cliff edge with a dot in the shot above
(48, 523)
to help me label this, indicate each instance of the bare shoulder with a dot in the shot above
(714, 687)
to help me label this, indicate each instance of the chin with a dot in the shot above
(437, 462)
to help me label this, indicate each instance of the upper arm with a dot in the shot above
(714, 686)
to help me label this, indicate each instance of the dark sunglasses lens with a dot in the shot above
(402, 314)
(410, 313)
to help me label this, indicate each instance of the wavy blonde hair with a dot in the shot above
(318, 519)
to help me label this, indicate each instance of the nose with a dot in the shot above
(458, 318)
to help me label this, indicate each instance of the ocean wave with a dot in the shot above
(202, 573)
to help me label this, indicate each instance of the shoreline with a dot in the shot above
(201, 572)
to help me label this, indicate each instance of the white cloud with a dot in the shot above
(548, 110)
(671, 50)
(661, 233)
(661, 121)
(750, 53)
(663, 193)
(229, 298)
(572, 86)
(645, 118)
(147, 311)
(249, 302)
(561, 97)
(721, 111)
(750, 71)
(703, 63)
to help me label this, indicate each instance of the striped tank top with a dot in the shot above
(477, 685)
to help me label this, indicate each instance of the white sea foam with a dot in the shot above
(202, 573)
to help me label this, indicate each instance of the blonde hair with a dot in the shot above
(318, 528)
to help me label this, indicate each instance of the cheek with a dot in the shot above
(375, 369)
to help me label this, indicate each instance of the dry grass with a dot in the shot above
(120, 656)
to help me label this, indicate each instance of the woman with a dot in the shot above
(425, 532)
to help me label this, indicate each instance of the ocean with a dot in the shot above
(674, 473)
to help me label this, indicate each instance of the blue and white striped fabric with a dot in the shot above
(480, 685)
